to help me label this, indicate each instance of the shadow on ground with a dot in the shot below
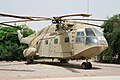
(64, 65)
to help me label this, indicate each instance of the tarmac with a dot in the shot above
(83, 78)
(48, 70)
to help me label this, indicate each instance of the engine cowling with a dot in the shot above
(29, 52)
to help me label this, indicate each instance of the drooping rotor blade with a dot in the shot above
(86, 23)
(14, 16)
(72, 15)
(95, 20)
(6, 24)
(39, 17)
(9, 25)
(26, 20)
(92, 24)
(22, 17)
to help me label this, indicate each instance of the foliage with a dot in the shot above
(112, 34)
(10, 47)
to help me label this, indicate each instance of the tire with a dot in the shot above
(29, 61)
(89, 65)
(63, 61)
(84, 65)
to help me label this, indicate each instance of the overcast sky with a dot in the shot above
(98, 8)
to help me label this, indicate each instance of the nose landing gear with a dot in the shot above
(86, 65)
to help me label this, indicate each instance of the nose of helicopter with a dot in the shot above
(91, 52)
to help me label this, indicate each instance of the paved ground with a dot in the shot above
(83, 78)
(49, 70)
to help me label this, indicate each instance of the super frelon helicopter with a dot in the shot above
(65, 39)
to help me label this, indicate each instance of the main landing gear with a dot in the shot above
(86, 65)
(30, 61)
(63, 61)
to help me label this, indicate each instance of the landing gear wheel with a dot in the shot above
(29, 61)
(86, 65)
(89, 65)
(63, 61)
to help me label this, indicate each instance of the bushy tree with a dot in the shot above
(112, 34)
(10, 47)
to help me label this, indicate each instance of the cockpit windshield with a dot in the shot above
(91, 40)
(89, 32)
(90, 37)
(98, 33)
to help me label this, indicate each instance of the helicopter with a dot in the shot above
(65, 39)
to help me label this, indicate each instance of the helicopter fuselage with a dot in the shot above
(80, 42)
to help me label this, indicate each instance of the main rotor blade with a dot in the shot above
(86, 23)
(26, 20)
(95, 20)
(9, 25)
(71, 15)
(22, 17)
(14, 16)
(92, 24)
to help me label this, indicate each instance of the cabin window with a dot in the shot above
(55, 41)
(66, 40)
(89, 32)
(46, 41)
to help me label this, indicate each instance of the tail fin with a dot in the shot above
(26, 40)
(20, 36)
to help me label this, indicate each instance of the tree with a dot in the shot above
(112, 34)
(10, 47)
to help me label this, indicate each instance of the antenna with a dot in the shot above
(88, 6)
(87, 9)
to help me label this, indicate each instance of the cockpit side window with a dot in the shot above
(80, 33)
(89, 32)
(80, 36)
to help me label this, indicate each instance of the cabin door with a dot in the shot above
(62, 46)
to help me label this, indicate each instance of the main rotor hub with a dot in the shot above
(57, 20)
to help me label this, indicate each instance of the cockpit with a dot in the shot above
(89, 36)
